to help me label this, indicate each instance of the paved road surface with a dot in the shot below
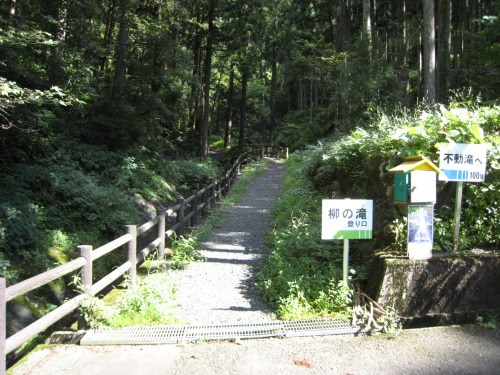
(441, 350)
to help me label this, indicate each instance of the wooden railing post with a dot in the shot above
(232, 172)
(132, 255)
(161, 234)
(224, 184)
(85, 252)
(204, 210)
(3, 327)
(180, 217)
(212, 191)
(219, 188)
(194, 209)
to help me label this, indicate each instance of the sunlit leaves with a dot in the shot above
(12, 36)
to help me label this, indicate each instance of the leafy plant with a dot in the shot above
(150, 304)
(184, 251)
(491, 321)
(301, 274)
(355, 165)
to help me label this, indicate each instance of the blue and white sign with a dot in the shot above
(463, 162)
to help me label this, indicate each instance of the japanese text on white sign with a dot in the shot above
(347, 219)
(463, 162)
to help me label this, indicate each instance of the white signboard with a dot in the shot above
(463, 162)
(346, 219)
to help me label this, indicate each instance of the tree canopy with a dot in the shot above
(123, 72)
(98, 97)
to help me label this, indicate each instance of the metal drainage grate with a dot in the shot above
(174, 334)
(318, 327)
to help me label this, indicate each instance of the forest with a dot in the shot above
(110, 109)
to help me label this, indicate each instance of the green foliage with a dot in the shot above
(150, 304)
(356, 165)
(75, 155)
(184, 251)
(491, 321)
(481, 213)
(301, 275)
(186, 173)
(300, 128)
(81, 193)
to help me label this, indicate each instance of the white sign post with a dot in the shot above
(462, 162)
(346, 219)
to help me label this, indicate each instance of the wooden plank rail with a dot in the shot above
(186, 211)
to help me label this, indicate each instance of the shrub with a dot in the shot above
(301, 275)
(150, 304)
(356, 165)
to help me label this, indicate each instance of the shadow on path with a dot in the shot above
(221, 289)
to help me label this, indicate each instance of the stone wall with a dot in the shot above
(442, 290)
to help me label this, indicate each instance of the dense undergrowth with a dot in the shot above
(302, 275)
(355, 166)
(153, 302)
(82, 193)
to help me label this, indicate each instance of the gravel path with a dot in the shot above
(221, 289)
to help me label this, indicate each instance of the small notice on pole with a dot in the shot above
(463, 162)
(346, 219)
(420, 231)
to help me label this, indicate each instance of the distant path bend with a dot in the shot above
(221, 289)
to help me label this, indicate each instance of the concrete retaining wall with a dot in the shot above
(442, 290)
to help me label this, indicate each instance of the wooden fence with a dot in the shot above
(185, 212)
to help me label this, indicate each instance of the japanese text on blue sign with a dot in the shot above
(463, 162)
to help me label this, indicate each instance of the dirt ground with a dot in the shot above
(439, 350)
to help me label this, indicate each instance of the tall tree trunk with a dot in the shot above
(429, 52)
(230, 100)
(403, 58)
(108, 33)
(121, 54)
(194, 101)
(367, 23)
(344, 24)
(207, 77)
(459, 23)
(157, 59)
(243, 105)
(311, 96)
(57, 69)
(272, 99)
(443, 50)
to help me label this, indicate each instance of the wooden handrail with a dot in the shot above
(208, 194)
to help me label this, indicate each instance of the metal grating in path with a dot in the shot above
(176, 334)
